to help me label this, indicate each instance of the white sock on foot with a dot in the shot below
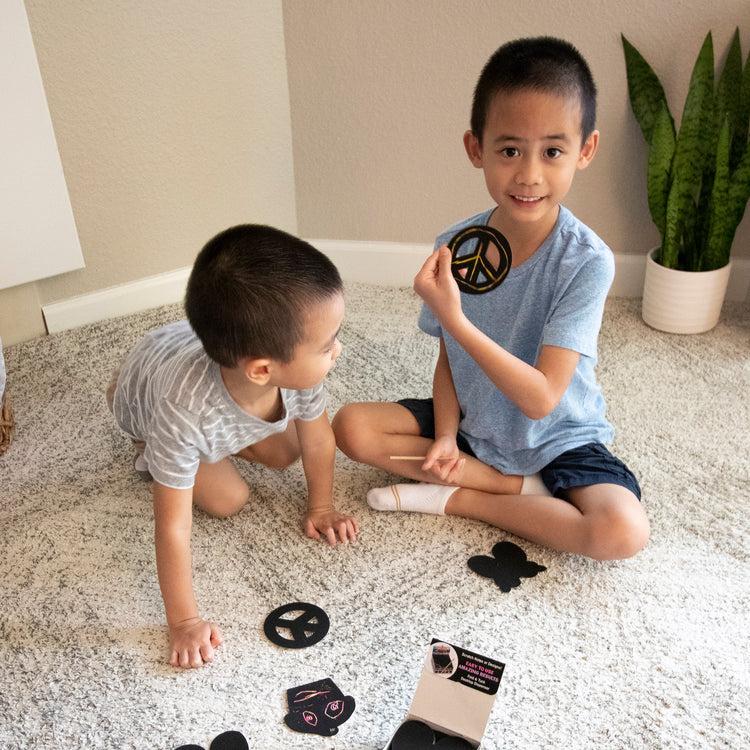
(422, 497)
(533, 485)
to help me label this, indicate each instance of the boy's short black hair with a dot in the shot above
(250, 290)
(541, 64)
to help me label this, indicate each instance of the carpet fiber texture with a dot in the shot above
(650, 652)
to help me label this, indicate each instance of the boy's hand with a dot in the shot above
(436, 286)
(443, 459)
(328, 522)
(192, 643)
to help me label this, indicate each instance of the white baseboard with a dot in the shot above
(124, 299)
(381, 263)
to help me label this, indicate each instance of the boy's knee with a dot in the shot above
(281, 456)
(618, 535)
(228, 504)
(280, 460)
(347, 430)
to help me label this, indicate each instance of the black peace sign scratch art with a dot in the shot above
(483, 264)
(305, 629)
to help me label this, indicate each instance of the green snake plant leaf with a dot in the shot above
(727, 110)
(738, 196)
(729, 100)
(691, 150)
(733, 97)
(740, 145)
(660, 155)
(645, 90)
(730, 198)
(719, 211)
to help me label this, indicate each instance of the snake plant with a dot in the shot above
(698, 177)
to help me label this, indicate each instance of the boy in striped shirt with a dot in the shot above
(243, 376)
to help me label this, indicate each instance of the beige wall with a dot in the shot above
(381, 92)
(172, 121)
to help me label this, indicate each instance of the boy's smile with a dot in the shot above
(530, 150)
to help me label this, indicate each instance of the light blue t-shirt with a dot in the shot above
(555, 298)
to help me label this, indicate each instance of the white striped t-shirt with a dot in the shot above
(170, 394)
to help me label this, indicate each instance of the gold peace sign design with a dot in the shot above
(480, 259)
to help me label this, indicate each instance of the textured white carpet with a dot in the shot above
(647, 653)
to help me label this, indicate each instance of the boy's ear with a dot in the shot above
(257, 371)
(588, 150)
(473, 149)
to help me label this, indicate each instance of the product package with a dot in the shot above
(452, 702)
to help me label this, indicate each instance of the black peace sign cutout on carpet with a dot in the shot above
(480, 259)
(289, 630)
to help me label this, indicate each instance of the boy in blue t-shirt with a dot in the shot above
(514, 434)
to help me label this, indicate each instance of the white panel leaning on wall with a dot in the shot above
(39, 233)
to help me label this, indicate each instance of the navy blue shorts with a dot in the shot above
(578, 467)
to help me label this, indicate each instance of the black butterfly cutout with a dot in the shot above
(507, 567)
(224, 741)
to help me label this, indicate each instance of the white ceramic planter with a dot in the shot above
(683, 301)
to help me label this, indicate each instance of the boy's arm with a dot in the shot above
(537, 389)
(191, 639)
(443, 455)
(318, 449)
